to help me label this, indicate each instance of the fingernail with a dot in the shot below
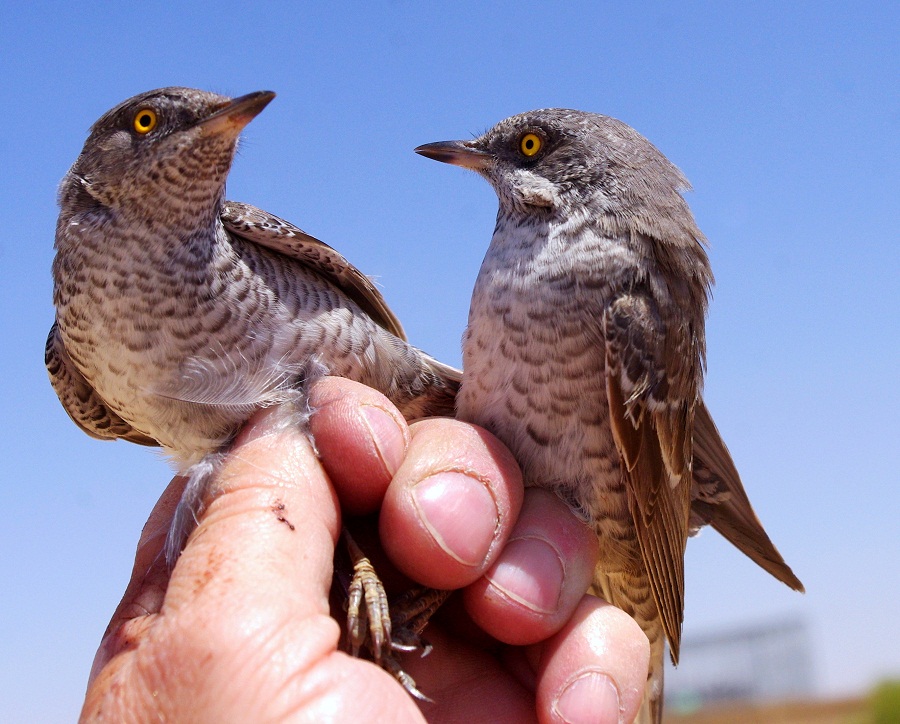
(262, 423)
(592, 697)
(531, 572)
(443, 500)
(387, 435)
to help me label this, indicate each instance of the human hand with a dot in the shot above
(241, 631)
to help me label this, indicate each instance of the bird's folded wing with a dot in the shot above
(81, 401)
(650, 418)
(260, 227)
(719, 499)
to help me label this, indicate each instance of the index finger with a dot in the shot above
(262, 551)
(267, 535)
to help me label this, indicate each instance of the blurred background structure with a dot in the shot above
(762, 663)
(784, 116)
(765, 674)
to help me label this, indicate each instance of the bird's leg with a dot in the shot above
(382, 629)
(372, 621)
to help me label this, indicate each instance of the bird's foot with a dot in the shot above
(384, 630)
(369, 624)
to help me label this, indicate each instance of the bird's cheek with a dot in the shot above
(538, 197)
(535, 190)
(115, 145)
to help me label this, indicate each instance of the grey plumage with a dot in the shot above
(179, 313)
(585, 352)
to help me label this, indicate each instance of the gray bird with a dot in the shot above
(178, 313)
(585, 352)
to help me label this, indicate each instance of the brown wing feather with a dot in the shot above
(653, 439)
(81, 401)
(719, 499)
(259, 227)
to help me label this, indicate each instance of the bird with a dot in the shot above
(585, 353)
(179, 313)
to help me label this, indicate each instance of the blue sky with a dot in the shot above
(785, 117)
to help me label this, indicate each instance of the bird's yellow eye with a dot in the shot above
(144, 121)
(530, 144)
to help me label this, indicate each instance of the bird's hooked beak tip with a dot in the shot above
(233, 115)
(458, 153)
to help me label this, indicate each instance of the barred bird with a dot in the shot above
(585, 352)
(178, 313)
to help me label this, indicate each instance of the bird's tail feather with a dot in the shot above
(613, 588)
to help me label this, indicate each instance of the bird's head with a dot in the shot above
(560, 161)
(161, 151)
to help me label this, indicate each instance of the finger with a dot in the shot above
(469, 683)
(248, 601)
(451, 505)
(595, 668)
(264, 543)
(361, 439)
(539, 577)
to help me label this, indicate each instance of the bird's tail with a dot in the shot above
(652, 706)
(632, 594)
(438, 395)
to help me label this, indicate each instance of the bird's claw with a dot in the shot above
(370, 622)
(383, 630)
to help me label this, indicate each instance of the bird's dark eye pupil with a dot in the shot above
(529, 144)
(145, 120)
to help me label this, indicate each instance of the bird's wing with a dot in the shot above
(651, 394)
(718, 499)
(81, 401)
(260, 227)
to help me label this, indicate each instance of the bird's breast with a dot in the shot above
(178, 344)
(185, 346)
(533, 359)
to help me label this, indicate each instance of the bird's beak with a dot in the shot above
(459, 153)
(232, 116)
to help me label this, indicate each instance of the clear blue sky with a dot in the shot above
(785, 116)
